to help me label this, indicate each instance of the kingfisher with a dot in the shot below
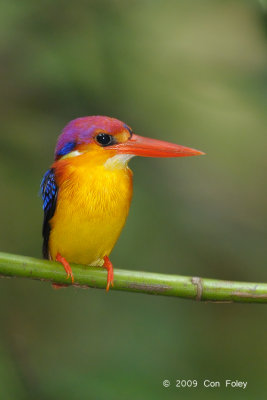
(87, 191)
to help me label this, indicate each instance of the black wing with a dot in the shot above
(49, 191)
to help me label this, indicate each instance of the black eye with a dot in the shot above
(104, 139)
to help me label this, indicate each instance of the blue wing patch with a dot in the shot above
(49, 192)
(48, 189)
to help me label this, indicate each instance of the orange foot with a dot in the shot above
(108, 265)
(67, 268)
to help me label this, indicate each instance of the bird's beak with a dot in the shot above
(146, 147)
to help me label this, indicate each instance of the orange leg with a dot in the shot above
(108, 265)
(66, 266)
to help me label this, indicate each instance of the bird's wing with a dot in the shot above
(49, 191)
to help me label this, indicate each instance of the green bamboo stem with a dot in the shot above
(194, 288)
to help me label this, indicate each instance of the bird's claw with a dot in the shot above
(66, 266)
(110, 278)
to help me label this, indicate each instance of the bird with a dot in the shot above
(87, 191)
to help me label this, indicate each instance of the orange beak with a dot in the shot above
(146, 147)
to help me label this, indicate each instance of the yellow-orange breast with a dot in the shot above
(92, 206)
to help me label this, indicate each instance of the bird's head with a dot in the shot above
(112, 142)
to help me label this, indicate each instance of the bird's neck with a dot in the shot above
(94, 169)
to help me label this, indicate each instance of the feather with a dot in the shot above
(49, 191)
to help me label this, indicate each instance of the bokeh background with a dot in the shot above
(191, 72)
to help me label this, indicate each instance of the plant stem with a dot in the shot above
(194, 288)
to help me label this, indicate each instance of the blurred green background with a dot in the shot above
(191, 72)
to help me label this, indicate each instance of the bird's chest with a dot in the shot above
(91, 210)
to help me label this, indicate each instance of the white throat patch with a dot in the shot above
(119, 161)
(74, 153)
